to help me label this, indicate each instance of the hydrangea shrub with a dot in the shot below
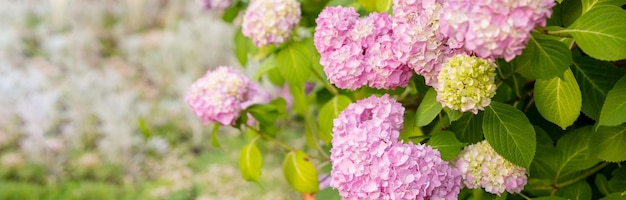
(512, 79)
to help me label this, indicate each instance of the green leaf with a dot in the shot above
(344, 3)
(601, 32)
(243, 46)
(609, 143)
(266, 67)
(214, 141)
(453, 115)
(328, 113)
(328, 194)
(615, 105)
(595, 79)
(602, 184)
(618, 182)
(428, 109)
(469, 128)
(369, 5)
(410, 130)
(550, 198)
(447, 144)
(383, 5)
(266, 114)
(294, 63)
(577, 191)
(614, 196)
(230, 13)
(575, 153)
(548, 57)
(510, 133)
(544, 165)
(589, 4)
(559, 100)
(300, 172)
(250, 162)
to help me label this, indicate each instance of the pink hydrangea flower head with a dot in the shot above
(493, 28)
(270, 21)
(482, 167)
(368, 161)
(333, 25)
(466, 83)
(418, 173)
(355, 51)
(215, 4)
(344, 67)
(220, 95)
(417, 39)
(384, 71)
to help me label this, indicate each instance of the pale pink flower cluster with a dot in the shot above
(219, 96)
(368, 161)
(493, 28)
(482, 167)
(270, 21)
(417, 39)
(358, 51)
(215, 4)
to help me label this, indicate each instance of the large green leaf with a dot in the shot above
(328, 113)
(595, 79)
(609, 143)
(294, 63)
(548, 56)
(601, 32)
(589, 4)
(300, 172)
(510, 133)
(575, 153)
(614, 109)
(559, 100)
(447, 144)
(577, 191)
(250, 162)
(469, 128)
(428, 109)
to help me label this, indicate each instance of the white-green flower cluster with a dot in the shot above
(466, 83)
(482, 167)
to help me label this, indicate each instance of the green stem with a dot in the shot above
(329, 87)
(560, 33)
(582, 176)
(557, 185)
(310, 124)
(443, 125)
(283, 145)
(524, 196)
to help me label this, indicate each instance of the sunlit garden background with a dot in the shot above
(91, 103)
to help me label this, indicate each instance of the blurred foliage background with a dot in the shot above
(91, 103)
